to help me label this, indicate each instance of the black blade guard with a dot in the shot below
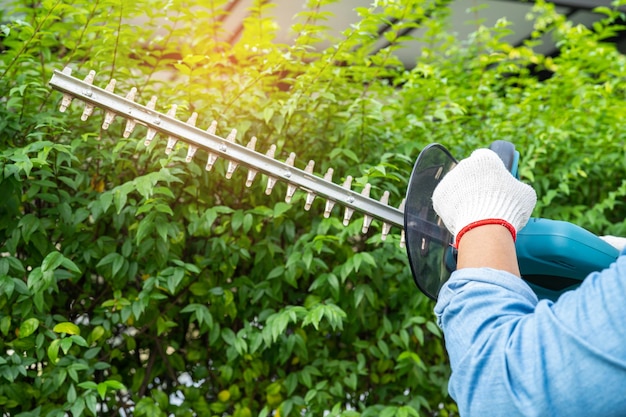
(429, 245)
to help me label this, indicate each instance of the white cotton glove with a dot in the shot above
(480, 190)
(618, 243)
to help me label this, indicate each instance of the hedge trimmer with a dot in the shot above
(554, 256)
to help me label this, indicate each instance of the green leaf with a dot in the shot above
(164, 325)
(5, 325)
(66, 344)
(433, 328)
(120, 196)
(29, 225)
(28, 327)
(52, 261)
(53, 351)
(92, 403)
(102, 390)
(88, 385)
(96, 334)
(115, 385)
(66, 327)
(71, 394)
(237, 220)
(70, 265)
(78, 406)
(280, 209)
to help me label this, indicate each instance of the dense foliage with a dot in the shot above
(134, 283)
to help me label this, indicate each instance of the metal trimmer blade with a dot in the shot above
(227, 148)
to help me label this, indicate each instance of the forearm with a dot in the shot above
(488, 246)
(511, 353)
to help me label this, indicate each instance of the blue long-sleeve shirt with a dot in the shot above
(512, 355)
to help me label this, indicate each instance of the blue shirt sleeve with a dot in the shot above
(513, 355)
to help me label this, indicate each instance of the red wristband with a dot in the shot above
(484, 222)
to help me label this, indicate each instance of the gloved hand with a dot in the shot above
(617, 242)
(480, 190)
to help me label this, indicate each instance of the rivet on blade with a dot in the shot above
(367, 220)
(291, 189)
(349, 211)
(310, 195)
(329, 203)
(271, 181)
(212, 157)
(171, 141)
(232, 165)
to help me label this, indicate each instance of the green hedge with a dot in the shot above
(132, 282)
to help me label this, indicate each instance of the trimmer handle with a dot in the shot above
(506, 151)
(553, 256)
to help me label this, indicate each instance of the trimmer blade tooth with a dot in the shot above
(347, 215)
(230, 170)
(291, 189)
(65, 103)
(111, 85)
(250, 178)
(349, 212)
(108, 119)
(385, 231)
(212, 157)
(252, 143)
(130, 123)
(309, 167)
(130, 126)
(210, 161)
(232, 136)
(88, 107)
(151, 132)
(109, 116)
(232, 165)
(386, 226)
(212, 127)
(310, 195)
(132, 94)
(251, 173)
(367, 220)
(171, 140)
(271, 151)
(87, 111)
(90, 77)
(191, 151)
(328, 208)
(67, 99)
(270, 180)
